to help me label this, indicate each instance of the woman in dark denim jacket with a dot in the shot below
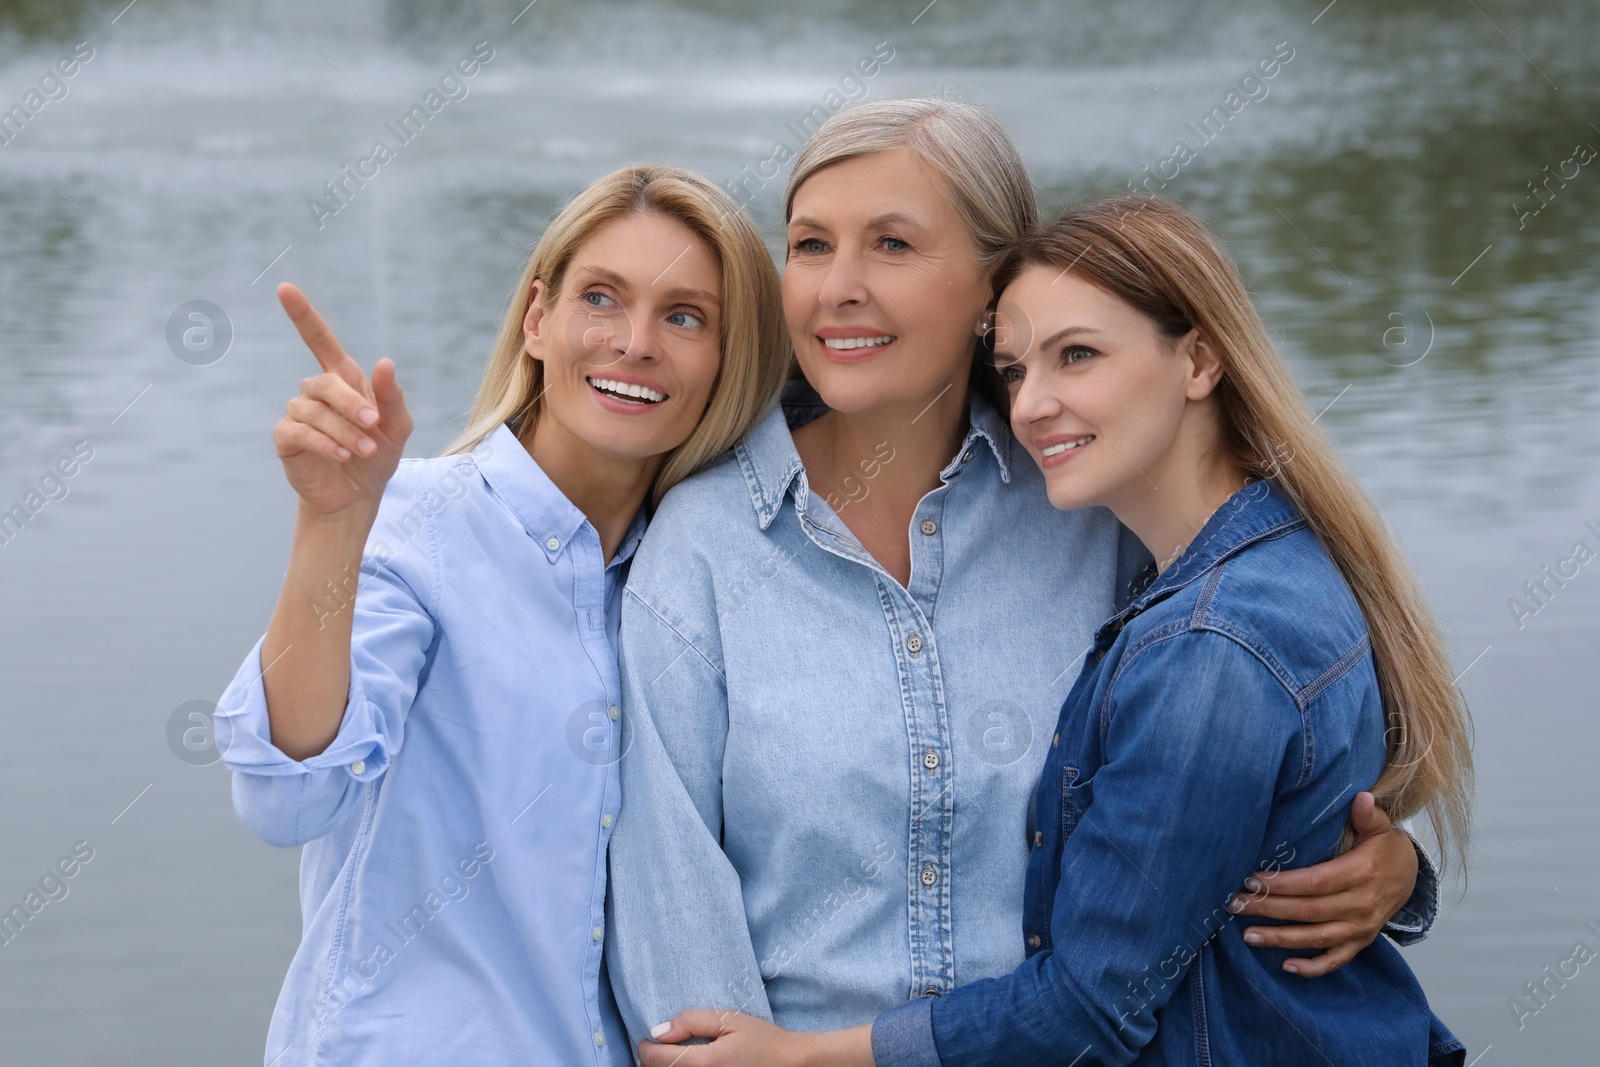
(1277, 660)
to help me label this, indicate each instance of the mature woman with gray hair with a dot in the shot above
(845, 644)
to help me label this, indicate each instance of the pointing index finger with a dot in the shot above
(318, 336)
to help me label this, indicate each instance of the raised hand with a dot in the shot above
(340, 440)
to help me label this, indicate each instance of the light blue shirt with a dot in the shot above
(830, 775)
(454, 873)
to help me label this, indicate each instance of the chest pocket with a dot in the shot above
(1076, 796)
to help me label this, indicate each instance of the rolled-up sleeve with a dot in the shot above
(679, 934)
(1415, 918)
(285, 801)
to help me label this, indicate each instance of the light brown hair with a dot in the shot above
(754, 343)
(1165, 263)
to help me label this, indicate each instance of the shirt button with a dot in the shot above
(914, 644)
(358, 767)
(931, 991)
(598, 932)
(1057, 742)
(1038, 838)
(930, 527)
(615, 712)
(930, 759)
(967, 456)
(553, 543)
(929, 876)
(605, 820)
(599, 1039)
(1033, 941)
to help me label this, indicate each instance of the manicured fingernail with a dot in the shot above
(660, 1028)
(1292, 968)
(1253, 884)
(1252, 938)
(365, 446)
(1235, 905)
(368, 416)
(342, 452)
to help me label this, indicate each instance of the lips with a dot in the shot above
(1059, 447)
(846, 344)
(626, 392)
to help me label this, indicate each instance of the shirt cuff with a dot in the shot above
(1413, 921)
(244, 732)
(903, 1036)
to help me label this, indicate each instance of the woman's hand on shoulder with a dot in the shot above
(340, 440)
(1341, 905)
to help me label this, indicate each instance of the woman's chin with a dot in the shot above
(1065, 496)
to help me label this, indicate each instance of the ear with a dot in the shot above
(1205, 365)
(986, 322)
(534, 321)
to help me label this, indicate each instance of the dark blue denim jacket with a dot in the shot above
(1222, 723)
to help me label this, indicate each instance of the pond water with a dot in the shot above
(1415, 160)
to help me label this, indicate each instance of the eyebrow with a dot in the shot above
(682, 293)
(1058, 336)
(889, 218)
(1063, 334)
(611, 277)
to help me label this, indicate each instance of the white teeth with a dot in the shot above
(631, 390)
(1056, 450)
(843, 343)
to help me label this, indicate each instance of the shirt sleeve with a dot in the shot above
(285, 801)
(1413, 921)
(1148, 869)
(679, 936)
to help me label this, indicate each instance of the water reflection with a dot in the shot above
(1378, 173)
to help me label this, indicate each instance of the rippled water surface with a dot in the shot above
(1386, 171)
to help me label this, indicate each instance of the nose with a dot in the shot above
(845, 282)
(643, 342)
(617, 335)
(1034, 401)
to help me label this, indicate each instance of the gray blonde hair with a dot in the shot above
(973, 156)
(963, 143)
(754, 342)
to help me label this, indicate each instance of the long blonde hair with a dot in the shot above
(754, 341)
(1164, 262)
(970, 152)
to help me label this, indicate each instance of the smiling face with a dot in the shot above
(1108, 407)
(882, 289)
(630, 345)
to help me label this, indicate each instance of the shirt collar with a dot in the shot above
(770, 464)
(1255, 513)
(544, 510)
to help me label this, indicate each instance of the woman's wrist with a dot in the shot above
(341, 528)
(835, 1048)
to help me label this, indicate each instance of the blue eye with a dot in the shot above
(599, 300)
(894, 244)
(811, 246)
(693, 319)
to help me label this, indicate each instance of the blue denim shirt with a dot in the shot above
(1222, 724)
(452, 882)
(827, 783)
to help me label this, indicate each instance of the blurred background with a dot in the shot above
(1415, 203)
